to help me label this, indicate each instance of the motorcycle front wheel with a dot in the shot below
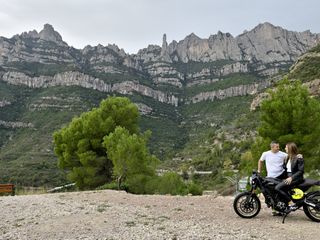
(313, 213)
(247, 205)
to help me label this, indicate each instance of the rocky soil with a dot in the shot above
(119, 215)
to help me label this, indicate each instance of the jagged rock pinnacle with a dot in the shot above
(164, 42)
(164, 50)
(49, 34)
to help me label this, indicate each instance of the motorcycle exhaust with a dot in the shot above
(310, 204)
(315, 206)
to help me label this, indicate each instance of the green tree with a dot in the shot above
(129, 154)
(247, 163)
(79, 146)
(291, 114)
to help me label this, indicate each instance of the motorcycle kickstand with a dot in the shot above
(284, 217)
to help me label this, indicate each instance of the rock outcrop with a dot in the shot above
(257, 100)
(265, 43)
(314, 87)
(33, 47)
(57, 104)
(4, 103)
(165, 56)
(217, 47)
(86, 81)
(241, 90)
(164, 73)
(15, 124)
(49, 34)
(144, 109)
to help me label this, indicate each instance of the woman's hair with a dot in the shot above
(292, 149)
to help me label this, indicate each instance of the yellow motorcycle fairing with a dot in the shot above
(297, 193)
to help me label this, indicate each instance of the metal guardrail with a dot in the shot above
(61, 187)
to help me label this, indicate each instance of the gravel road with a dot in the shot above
(118, 215)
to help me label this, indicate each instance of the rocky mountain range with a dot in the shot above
(265, 50)
(181, 88)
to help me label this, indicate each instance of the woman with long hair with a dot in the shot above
(294, 166)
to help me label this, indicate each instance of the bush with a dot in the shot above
(169, 183)
(112, 186)
(172, 183)
(194, 189)
(151, 186)
(138, 184)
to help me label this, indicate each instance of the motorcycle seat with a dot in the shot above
(307, 183)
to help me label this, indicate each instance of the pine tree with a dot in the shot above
(79, 146)
(129, 154)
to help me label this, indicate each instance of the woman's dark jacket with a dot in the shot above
(297, 168)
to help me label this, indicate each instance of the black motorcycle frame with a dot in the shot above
(310, 201)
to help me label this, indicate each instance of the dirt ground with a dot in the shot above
(118, 215)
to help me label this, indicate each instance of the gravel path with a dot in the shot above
(117, 215)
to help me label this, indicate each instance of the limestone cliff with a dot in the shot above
(241, 90)
(15, 124)
(86, 81)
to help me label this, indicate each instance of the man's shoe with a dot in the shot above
(291, 208)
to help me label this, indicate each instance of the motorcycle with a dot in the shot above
(248, 205)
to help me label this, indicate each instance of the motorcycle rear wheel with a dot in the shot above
(311, 212)
(247, 205)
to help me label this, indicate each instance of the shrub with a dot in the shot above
(194, 189)
(172, 183)
(138, 184)
(113, 186)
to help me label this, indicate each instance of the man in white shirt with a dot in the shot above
(274, 160)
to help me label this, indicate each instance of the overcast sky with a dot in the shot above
(133, 24)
